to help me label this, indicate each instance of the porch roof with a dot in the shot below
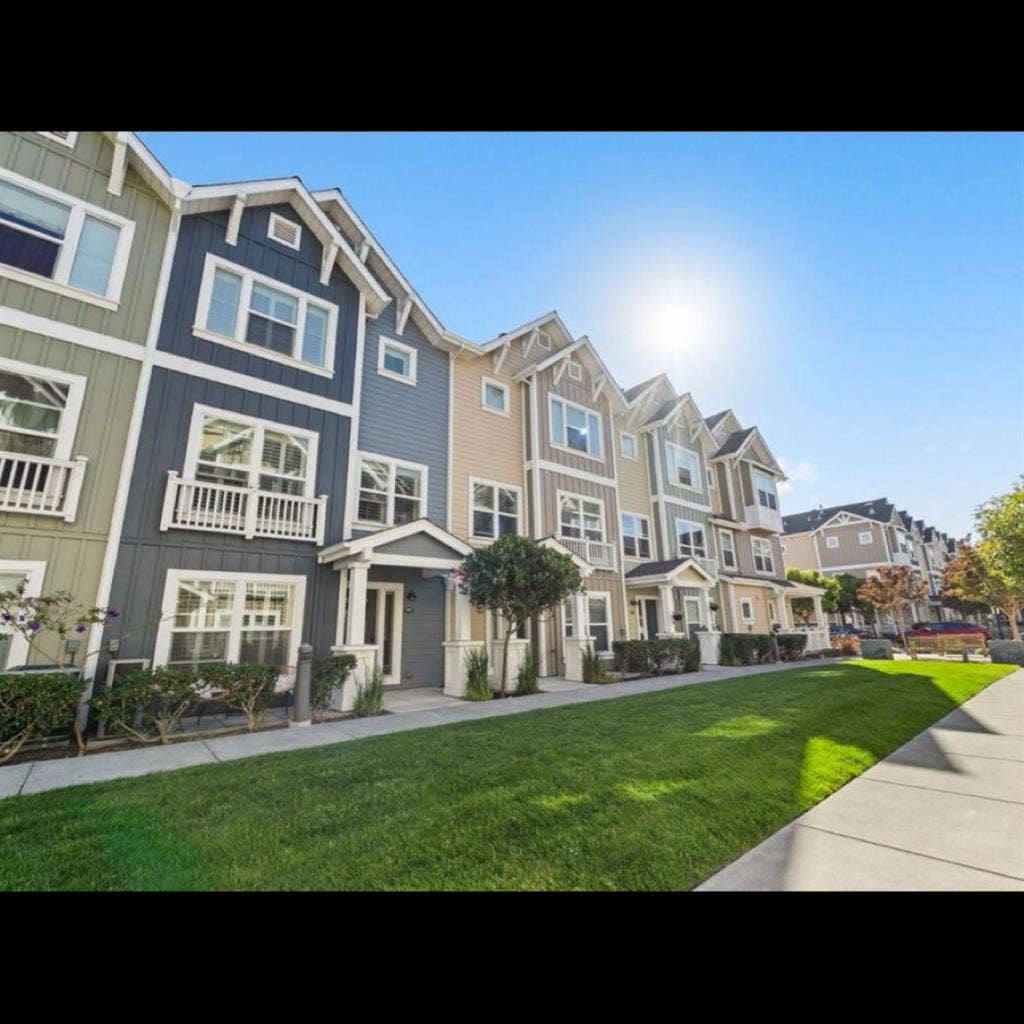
(445, 551)
(666, 571)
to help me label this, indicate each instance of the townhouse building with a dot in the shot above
(859, 537)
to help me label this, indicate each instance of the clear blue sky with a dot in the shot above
(858, 297)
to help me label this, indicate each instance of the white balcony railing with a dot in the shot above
(901, 558)
(42, 487)
(247, 511)
(764, 518)
(818, 638)
(596, 552)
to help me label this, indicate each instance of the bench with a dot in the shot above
(960, 643)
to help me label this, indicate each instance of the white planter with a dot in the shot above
(344, 697)
(455, 652)
(710, 648)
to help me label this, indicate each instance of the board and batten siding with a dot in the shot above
(485, 444)
(580, 393)
(203, 233)
(676, 436)
(422, 624)
(799, 550)
(403, 421)
(83, 173)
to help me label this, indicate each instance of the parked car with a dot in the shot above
(947, 629)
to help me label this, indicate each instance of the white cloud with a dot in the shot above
(805, 471)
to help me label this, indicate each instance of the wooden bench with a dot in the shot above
(959, 643)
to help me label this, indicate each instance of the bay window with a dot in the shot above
(495, 509)
(691, 539)
(762, 555)
(390, 492)
(574, 427)
(636, 538)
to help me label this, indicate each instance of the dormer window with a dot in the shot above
(544, 341)
(766, 496)
(574, 427)
(575, 371)
(287, 232)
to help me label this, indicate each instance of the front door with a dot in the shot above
(649, 611)
(384, 627)
(691, 610)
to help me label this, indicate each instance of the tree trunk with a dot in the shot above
(504, 660)
(1011, 614)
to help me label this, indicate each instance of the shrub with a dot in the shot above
(370, 696)
(328, 674)
(245, 688)
(593, 666)
(746, 648)
(846, 643)
(661, 655)
(477, 686)
(791, 645)
(34, 705)
(149, 703)
(526, 678)
(633, 655)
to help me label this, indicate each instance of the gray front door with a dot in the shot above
(651, 618)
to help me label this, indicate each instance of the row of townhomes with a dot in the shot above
(226, 413)
(860, 537)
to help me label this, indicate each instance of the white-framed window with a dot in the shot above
(691, 539)
(627, 445)
(64, 138)
(575, 370)
(255, 313)
(865, 536)
(599, 609)
(544, 341)
(580, 518)
(762, 555)
(13, 646)
(567, 618)
(39, 410)
(287, 232)
(746, 609)
(765, 486)
(216, 617)
(636, 535)
(725, 542)
(683, 466)
(773, 615)
(574, 427)
(242, 451)
(901, 541)
(54, 241)
(832, 541)
(391, 491)
(396, 360)
(494, 508)
(494, 396)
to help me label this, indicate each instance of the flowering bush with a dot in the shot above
(34, 705)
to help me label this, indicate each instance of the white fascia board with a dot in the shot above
(551, 360)
(517, 332)
(347, 548)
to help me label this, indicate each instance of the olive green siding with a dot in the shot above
(83, 173)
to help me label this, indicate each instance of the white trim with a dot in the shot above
(398, 589)
(575, 370)
(195, 433)
(34, 324)
(564, 444)
(732, 546)
(543, 336)
(579, 474)
(504, 388)
(635, 457)
(194, 368)
(686, 563)
(243, 310)
(275, 220)
(64, 439)
(35, 572)
(80, 209)
(829, 538)
(68, 140)
(609, 623)
(450, 469)
(670, 448)
(388, 535)
(533, 464)
(393, 464)
(520, 510)
(162, 647)
(622, 536)
(755, 543)
(383, 341)
(861, 534)
(562, 538)
(677, 547)
(747, 601)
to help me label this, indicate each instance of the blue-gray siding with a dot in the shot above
(419, 544)
(422, 626)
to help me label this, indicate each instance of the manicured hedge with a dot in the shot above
(34, 705)
(791, 645)
(656, 657)
(746, 648)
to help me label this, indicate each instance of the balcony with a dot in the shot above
(244, 511)
(763, 518)
(599, 554)
(40, 486)
(901, 558)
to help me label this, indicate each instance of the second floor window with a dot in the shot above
(683, 467)
(390, 492)
(762, 555)
(573, 426)
(31, 410)
(495, 509)
(691, 539)
(728, 551)
(766, 496)
(581, 519)
(238, 306)
(636, 541)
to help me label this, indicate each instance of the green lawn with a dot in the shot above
(654, 791)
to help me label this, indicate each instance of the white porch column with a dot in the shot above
(575, 645)
(358, 575)
(784, 611)
(365, 654)
(705, 604)
(456, 649)
(822, 623)
(668, 609)
(710, 639)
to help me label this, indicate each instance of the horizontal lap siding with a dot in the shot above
(850, 550)
(405, 422)
(83, 172)
(484, 444)
(204, 233)
(799, 551)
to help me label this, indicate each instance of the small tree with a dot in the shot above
(892, 589)
(519, 578)
(803, 607)
(844, 600)
(974, 574)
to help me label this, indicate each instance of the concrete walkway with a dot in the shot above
(411, 709)
(945, 811)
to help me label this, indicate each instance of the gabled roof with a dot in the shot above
(291, 190)
(670, 409)
(532, 325)
(149, 168)
(713, 421)
(668, 570)
(740, 440)
(581, 344)
(905, 518)
(638, 390)
(551, 541)
(734, 442)
(880, 511)
(361, 545)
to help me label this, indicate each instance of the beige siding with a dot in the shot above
(634, 487)
(850, 550)
(83, 173)
(484, 444)
(759, 596)
(800, 551)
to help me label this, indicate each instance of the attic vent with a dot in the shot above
(287, 232)
(66, 138)
(575, 371)
(544, 340)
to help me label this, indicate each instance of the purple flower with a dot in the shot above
(80, 628)
(113, 612)
(5, 617)
(34, 625)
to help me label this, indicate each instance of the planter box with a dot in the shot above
(1006, 652)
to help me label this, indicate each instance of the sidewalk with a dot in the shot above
(944, 811)
(411, 709)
